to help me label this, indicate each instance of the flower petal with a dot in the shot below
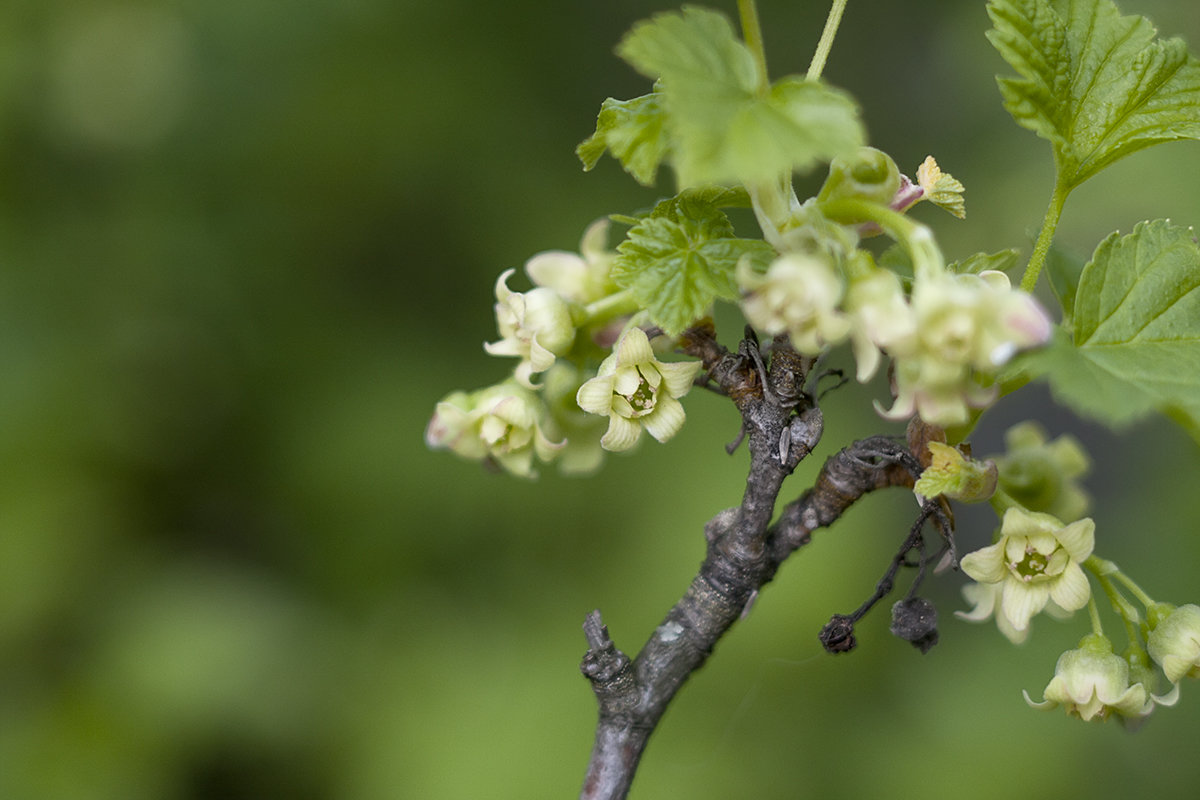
(621, 435)
(666, 419)
(985, 565)
(633, 348)
(1078, 538)
(1071, 590)
(595, 396)
(1020, 601)
(678, 376)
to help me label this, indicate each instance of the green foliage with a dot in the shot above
(1096, 84)
(1137, 330)
(724, 123)
(632, 130)
(682, 257)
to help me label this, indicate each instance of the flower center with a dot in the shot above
(642, 398)
(1032, 566)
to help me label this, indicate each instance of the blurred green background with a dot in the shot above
(244, 249)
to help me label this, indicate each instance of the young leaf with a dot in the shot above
(1096, 84)
(723, 126)
(632, 130)
(677, 264)
(1137, 330)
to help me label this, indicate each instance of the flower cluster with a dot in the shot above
(947, 338)
(555, 330)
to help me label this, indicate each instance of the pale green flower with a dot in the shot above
(798, 295)
(880, 317)
(1175, 643)
(534, 326)
(636, 391)
(1041, 475)
(501, 424)
(577, 277)
(1092, 682)
(1036, 560)
(967, 327)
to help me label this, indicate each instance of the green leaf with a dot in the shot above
(632, 130)
(1137, 331)
(723, 127)
(1096, 84)
(676, 264)
(1002, 261)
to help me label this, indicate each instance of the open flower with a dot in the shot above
(967, 326)
(1175, 643)
(534, 326)
(501, 424)
(636, 391)
(799, 295)
(1092, 682)
(1035, 561)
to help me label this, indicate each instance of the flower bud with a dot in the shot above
(1174, 643)
(1091, 682)
(868, 174)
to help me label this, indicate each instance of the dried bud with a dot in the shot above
(915, 620)
(838, 635)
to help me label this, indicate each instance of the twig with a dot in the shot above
(744, 551)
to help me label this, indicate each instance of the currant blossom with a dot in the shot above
(880, 317)
(636, 391)
(799, 295)
(534, 326)
(1035, 561)
(579, 278)
(1092, 682)
(966, 326)
(501, 424)
(1175, 643)
(984, 598)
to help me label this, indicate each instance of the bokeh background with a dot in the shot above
(244, 249)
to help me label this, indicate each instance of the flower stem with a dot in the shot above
(606, 308)
(1141, 595)
(917, 239)
(1104, 571)
(826, 44)
(752, 34)
(1094, 614)
(1041, 248)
